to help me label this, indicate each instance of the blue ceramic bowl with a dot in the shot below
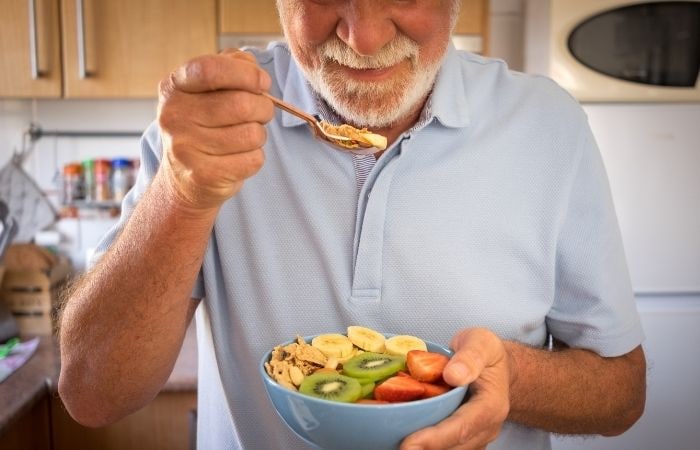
(350, 426)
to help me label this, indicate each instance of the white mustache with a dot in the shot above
(399, 49)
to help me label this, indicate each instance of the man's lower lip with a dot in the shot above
(369, 73)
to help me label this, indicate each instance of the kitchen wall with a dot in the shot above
(652, 154)
(45, 158)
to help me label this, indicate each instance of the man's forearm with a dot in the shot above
(123, 325)
(574, 391)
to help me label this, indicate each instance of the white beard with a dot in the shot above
(373, 104)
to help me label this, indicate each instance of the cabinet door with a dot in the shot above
(474, 20)
(30, 57)
(123, 48)
(245, 16)
(164, 424)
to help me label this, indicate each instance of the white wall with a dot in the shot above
(46, 159)
(652, 155)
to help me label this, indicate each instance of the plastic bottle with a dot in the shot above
(103, 169)
(72, 183)
(121, 178)
(89, 180)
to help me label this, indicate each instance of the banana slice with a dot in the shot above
(366, 339)
(400, 345)
(333, 345)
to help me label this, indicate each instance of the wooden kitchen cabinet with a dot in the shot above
(123, 48)
(164, 424)
(32, 431)
(260, 17)
(104, 49)
(30, 53)
(474, 20)
(246, 17)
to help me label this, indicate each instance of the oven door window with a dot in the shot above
(656, 43)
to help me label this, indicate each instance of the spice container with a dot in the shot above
(72, 183)
(89, 180)
(121, 178)
(103, 169)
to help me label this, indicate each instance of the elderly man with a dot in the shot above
(487, 223)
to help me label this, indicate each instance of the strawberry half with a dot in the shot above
(426, 366)
(433, 390)
(399, 389)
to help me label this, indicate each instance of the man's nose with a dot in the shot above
(365, 27)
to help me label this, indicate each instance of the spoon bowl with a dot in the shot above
(357, 143)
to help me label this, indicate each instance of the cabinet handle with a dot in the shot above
(33, 43)
(80, 33)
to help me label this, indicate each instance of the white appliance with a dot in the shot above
(626, 50)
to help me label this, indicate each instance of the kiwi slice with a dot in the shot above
(373, 366)
(367, 388)
(331, 386)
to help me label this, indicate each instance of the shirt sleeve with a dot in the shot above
(594, 306)
(150, 157)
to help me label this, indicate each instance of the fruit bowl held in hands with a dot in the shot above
(349, 426)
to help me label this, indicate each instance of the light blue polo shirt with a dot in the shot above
(494, 212)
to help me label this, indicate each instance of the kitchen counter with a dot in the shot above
(38, 378)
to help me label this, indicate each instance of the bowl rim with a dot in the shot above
(269, 381)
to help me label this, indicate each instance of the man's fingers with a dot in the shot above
(472, 426)
(232, 139)
(220, 108)
(475, 349)
(217, 72)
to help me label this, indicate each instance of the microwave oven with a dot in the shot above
(626, 50)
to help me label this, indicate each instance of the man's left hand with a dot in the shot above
(481, 361)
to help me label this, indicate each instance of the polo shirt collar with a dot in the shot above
(298, 92)
(447, 102)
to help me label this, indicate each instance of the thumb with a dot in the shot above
(475, 350)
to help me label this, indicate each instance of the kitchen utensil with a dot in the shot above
(9, 231)
(339, 142)
(26, 202)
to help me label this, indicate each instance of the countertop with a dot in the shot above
(38, 377)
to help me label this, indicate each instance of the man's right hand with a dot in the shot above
(212, 119)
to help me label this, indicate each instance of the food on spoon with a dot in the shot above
(335, 387)
(366, 338)
(399, 389)
(426, 366)
(333, 345)
(358, 137)
(402, 344)
(374, 366)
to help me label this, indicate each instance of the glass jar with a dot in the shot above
(103, 169)
(121, 178)
(72, 183)
(89, 180)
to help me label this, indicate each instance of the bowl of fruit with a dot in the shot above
(359, 389)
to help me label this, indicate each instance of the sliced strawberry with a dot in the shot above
(402, 373)
(399, 389)
(426, 366)
(433, 390)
